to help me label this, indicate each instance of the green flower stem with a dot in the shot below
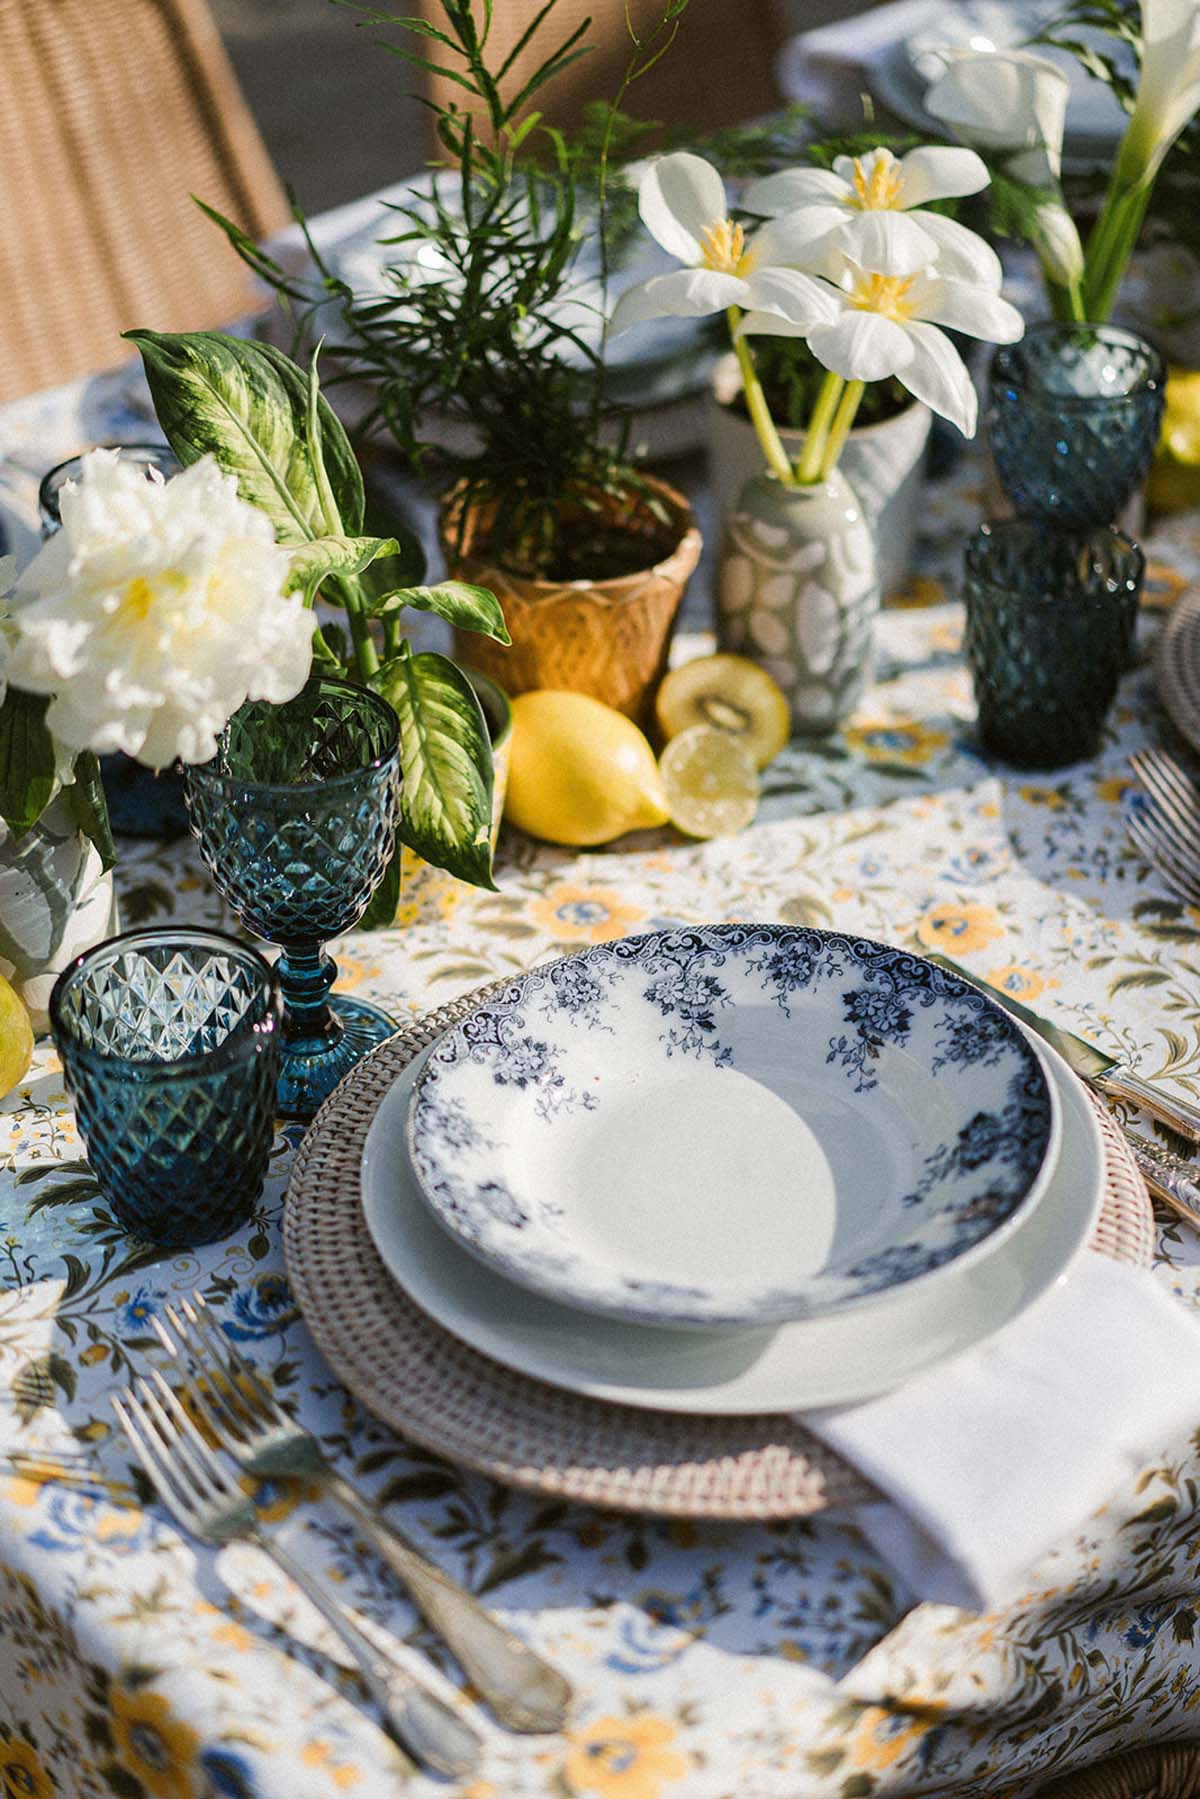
(756, 404)
(808, 469)
(366, 656)
(839, 431)
(1111, 242)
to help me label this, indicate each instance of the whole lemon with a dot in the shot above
(16, 1039)
(580, 773)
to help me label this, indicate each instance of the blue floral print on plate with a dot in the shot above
(731, 1125)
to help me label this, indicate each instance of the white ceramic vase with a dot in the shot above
(884, 465)
(56, 901)
(798, 590)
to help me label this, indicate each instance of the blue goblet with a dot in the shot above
(1074, 413)
(295, 817)
(169, 1039)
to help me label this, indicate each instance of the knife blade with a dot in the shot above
(1105, 1073)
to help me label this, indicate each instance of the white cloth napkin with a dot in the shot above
(824, 68)
(996, 1456)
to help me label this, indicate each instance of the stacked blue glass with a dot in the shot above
(295, 817)
(1073, 412)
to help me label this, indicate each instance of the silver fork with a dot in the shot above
(522, 1690)
(205, 1499)
(1168, 782)
(1150, 833)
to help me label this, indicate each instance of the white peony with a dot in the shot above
(155, 612)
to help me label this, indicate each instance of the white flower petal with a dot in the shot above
(940, 172)
(1169, 86)
(887, 243)
(1057, 243)
(770, 324)
(800, 239)
(683, 294)
(962, 255)
(861, 346)
(937, 374)
(791, 295)
(1006, 100)
(790, 188)
(975, 311)
(680, 196)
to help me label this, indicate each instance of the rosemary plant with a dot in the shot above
(485, 326)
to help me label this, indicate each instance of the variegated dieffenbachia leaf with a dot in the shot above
(466, 607)
(446, 759)
(314, 561)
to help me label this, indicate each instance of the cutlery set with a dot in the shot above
(195, 1439)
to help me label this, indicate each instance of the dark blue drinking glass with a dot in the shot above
(1051, 618)
(296, 817)
(1074, 413)
(170, 1044)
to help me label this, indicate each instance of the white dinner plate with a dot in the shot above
(731, 1125)
(833, 1360)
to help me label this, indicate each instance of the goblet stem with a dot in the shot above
(306, 974)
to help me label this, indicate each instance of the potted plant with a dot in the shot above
(483, 327)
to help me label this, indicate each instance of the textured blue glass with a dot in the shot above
(296, 817)
(1050, 625)
(1074, 413)
(170, 1045)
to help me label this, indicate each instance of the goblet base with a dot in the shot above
(308, 1077)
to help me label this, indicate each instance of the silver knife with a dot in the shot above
(1104, 1073)
(1169, 1177)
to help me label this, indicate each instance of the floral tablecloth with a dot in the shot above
(778, 1662)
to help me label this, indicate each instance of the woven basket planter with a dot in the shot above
(609, 639)
(1169, 1771)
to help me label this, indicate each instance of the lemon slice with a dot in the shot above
(728, 693)
(16, 1039)
(711, 782)
(579, 772)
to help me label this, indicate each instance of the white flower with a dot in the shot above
(682, 202)
(1015, 104)
(8, 579)
(870, 208)
(155, 612)
(1169, 85)
(888, 325)
(1008, 101)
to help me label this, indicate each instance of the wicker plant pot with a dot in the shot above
(1167, 1771)
(606, 638)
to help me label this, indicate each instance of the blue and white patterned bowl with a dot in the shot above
(732, 1125)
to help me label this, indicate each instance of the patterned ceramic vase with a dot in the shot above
(798, 591)
(55, 902)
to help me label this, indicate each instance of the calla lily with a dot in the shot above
(1014, 104)
(683, 206)
(1169, 86)
(889, 325)
(870, 208)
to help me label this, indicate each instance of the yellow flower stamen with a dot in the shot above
(724, 248)
(140, 595)
(880, 191)
(885, 294)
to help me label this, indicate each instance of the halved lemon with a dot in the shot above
(730, 694)
(711, 782)
(16, 1039)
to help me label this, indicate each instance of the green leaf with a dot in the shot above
(89, 807)
(32, 1386)
(386, 897)
(26, 760)
(446, 756)
(251, 407)
(467, 608)
(322, 556)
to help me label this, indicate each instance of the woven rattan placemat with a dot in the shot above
(1177, 666)
(425, 1384)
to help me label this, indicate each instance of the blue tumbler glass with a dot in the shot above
(1074, 413)
(1051, 618)
(170, 1043)
(295, 817)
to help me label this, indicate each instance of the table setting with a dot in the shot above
(695, 1288)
